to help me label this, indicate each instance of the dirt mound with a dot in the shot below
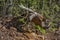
(9, 31)
(13, 34)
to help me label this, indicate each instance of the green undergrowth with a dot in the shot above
(52, 29)
(22, 20)
(42, 30)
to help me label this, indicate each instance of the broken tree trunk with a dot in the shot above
(35, 17)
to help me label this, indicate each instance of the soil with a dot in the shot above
(9, 30)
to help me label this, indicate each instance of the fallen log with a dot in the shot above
(35, 17)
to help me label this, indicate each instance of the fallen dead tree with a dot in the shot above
(35, 17)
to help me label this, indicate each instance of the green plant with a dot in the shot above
(42, 30)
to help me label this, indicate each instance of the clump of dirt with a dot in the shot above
(12, 34)
(9, 30)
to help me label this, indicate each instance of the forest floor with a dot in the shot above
(12, 33)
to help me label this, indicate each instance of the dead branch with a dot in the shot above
(28, 9)
(35, 17)
(33, 13)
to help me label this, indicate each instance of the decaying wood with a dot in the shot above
(35, 17)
